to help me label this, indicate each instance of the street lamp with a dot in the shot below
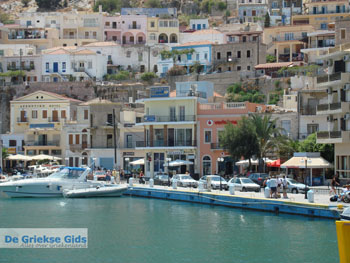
(168, 161)
(127, 159)
(220, 159)
(306, 160)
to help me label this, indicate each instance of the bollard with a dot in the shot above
(131, 181)
(310, 196)
(232, 189)
(151, 182)
(267, 192)
(200, 187)
(174, 184)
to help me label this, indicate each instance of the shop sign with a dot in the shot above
(11, 150)
(159, 92)
(128, 153)
(223, 122)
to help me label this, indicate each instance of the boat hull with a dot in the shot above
(109, 191)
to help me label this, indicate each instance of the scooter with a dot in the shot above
(142, 180)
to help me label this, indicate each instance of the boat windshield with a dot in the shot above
(186, 177)
(67, 174)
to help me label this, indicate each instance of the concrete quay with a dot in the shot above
(295, 204)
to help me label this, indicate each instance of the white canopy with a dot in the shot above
(178, 163)
(138, 162)
(312, 162)
(44, 157)
(19, 157)
(253, 162)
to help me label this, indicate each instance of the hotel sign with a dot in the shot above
(159, 92)
(11, 150)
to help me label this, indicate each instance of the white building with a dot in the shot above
(211, 35)
(199, 24)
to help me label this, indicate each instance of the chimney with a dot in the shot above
(100, 9)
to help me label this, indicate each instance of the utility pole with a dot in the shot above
(115, 140)
(20, 64)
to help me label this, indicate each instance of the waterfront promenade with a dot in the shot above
(295, 204)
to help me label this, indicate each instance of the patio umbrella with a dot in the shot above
(178, 163)
(138, 162)
(276, 163)
(19, 157)
(44, 157)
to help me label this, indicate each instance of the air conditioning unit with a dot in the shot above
(347, 116)
(329, 90)
(346, 58)
(329, 63)
(347, 86)
(330, 118)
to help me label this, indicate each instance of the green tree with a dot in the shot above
(269, 136)
(109, 6)
(153, 4)
(310, 145)
(25, 3)
(148, 76)
(270, 59)
(5, 154)
(240, 140)
(5, 18)
(48, 4)
(267, 20)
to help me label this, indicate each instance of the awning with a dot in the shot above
(253, 162)
(138, 162)
(276, 163)
(312, 162)
(45, 157)
(178, 163)
(19, 157)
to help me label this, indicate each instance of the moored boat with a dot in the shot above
(346, 214)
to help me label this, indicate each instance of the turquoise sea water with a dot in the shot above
(130, 229)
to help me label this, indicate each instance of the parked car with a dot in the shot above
(161, 179)
(185, 180)
(100, 175)
(244, 184)
(215, 182)
(258, 178)
(295, 187)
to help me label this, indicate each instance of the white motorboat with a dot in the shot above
(346, 214)
(52, 186)
(104, 191)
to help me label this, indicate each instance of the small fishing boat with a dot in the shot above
(346, 214)
(99, 191)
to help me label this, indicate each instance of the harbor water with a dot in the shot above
(130, 229)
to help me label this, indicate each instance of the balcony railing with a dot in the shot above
(27, 68)
(154, 118)
(329, 135)
(24, 119)
(331, 106)
(42, 143)
(308, 110)
(104, 146)
(75, 147)
(162, 143)
(335, 106)
(216, 145)
(322, 107)
(53, 119)
(329, 77)
(134, 26)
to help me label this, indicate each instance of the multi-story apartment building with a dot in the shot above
(242, 52)
(163, 29)
(337, 85)
(40, 116)
(80, 64)
(212, 118)
(286, 42)
(281, 11)
(170, 129)
(252, 10)
(319, 13)
(342, 31)
(199, 24)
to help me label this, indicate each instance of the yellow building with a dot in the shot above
(170, 132)
(286, 42)
(40, 116)
(162, 30)
(319, 13)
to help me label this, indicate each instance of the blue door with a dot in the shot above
(55, 67)
(199, 27)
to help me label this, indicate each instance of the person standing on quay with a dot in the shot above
(334, 183)
(285, 187)
(114, 175)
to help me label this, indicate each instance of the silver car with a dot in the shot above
(296, 187)
(185, 180)
(216, 181)
(244, 184)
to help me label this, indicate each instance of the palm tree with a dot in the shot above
(4, 156)
(269, 136)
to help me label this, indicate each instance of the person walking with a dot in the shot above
(273, 187)
(285, 187)
(334, 183)
(114, 175)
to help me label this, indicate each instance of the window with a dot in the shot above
(248, 53)
(172, 113)
(206, 56)
(1, 52)
(90, 64)
(158, 137)
(34, 114)
(12, 143)
(238, 68)
(63, 114)
(206, 165)
(86, 34)
(218, 55)
(324, 26)
(152, 36)
(189, 56)
(86, 114)
(140, 39)
(63, 66)
(248, 67)
(152, 24)
(128, 54)
(70, 138)
(107, 24)
(110, 119)
(207, 136)
(342, 33)
(140, 56)
(47, 66)
(109, 140)
(129, 141)
(197, 57)
(286, 127)
(238, 54)
(44, 114)
(158, 162)
(77, 139)
(312, 128)
(182, 113)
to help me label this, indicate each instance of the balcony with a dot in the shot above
(162, 143)
(333, 108)
(101, 146)
(333, 137)
(134, 26)
(329, 77)
(42, 143)
(27, 68)
(78, 147)
(334, 79)
(53, 119)
(216, 146)
(155, 118)
(22, 119)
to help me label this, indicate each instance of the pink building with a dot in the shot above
(211, 119)
(126, 29)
